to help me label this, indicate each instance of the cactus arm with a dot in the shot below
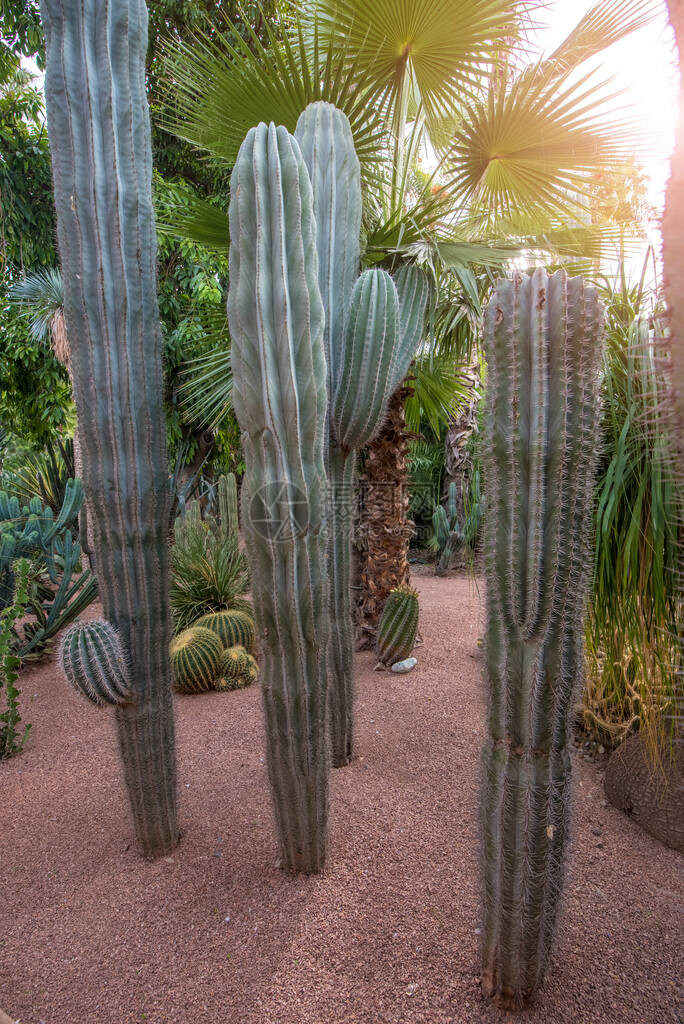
(276, 321)
(543, 345)
(413, 290)
(327, 146)
(228, 504)
(98, 125)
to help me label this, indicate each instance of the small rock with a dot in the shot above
(169, 860)
(478, 931)
(405, 666)
(601, 749)
(596, 831)
(599, 846)
(227, 917)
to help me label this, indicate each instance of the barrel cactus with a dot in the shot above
(373, 326)
(94, 663)
(543, 344)
(238, 669)
(398, 625)
(276, 323)
(196, 656)
(233, 626)
(99, 132)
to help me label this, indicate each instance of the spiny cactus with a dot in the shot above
(448, 534)
(234, 627)
(543, 344)
(276, 323)
(98, 126)
(373, 327)
(398, 625)
(238, 669)
(228, 504)
(196, 656)
(94, 663)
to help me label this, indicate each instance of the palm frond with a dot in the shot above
(42, 293)
(605, 23)
(196, 220)
(221, 87)
(438, 386)
(531, 147)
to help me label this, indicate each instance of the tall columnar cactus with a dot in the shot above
(276, 323)
(373, 327)
(228, 504)
(448, 535)
(543, 342)
(98, 125)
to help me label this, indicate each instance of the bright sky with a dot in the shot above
(644, 65)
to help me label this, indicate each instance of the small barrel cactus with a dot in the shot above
(238, 669)
(398, 625)
(196, 655)
(234, 627)
(93, 660)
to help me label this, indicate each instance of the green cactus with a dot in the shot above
(543, 344)
(234, 627)
(373, 327)
(196, 656)
(398, 625)
(94, 663)
(448, 535)
(98, 126)
(276, 323)
(238, 669)
(228, 504)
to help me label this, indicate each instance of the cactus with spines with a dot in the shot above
(228, 504)
(99, 132)
(276, 320)
(398, 625)
(93, 661)
(373, 327)
(238, 669)
(196, 658)
(448, 535)
(235, 627)
(543, 345)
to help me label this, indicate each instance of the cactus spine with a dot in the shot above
(98, 125)
(543, 340)
(276, 323)
(398, 625)
(372, 330)
(94, 663)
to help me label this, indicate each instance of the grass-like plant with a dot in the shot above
(11, 738)
(208, 571)
(633, 654)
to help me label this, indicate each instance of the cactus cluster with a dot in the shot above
(196, 656)
(448, 535)
(543, 344)
(238, 669)
(94, 663)
(398, 625)
(102, 174)
(373, 326)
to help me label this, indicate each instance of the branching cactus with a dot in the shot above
(373, 327)
(448, 535)
(543, 343)
(276, 322)
(98, 126)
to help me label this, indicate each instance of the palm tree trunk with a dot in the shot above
(385, 527)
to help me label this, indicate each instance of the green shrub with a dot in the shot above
(10, 740)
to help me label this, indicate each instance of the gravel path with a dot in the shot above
(216, 934)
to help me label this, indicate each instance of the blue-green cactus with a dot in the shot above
(276, 322)
(98, 126)
(543, 346)
(373, 327)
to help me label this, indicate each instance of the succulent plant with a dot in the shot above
(234, 627)
(448, 534)
(373, 326)
(238, 669)
(99, 132)
(398, 625)
(94, 663)
(543, 346)
(276, 323)
(228, 504)
(196, 656)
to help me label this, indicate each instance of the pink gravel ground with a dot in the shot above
(216, 934)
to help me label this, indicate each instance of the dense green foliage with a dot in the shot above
(11, 742)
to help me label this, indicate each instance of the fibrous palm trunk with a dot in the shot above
(385, 528)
